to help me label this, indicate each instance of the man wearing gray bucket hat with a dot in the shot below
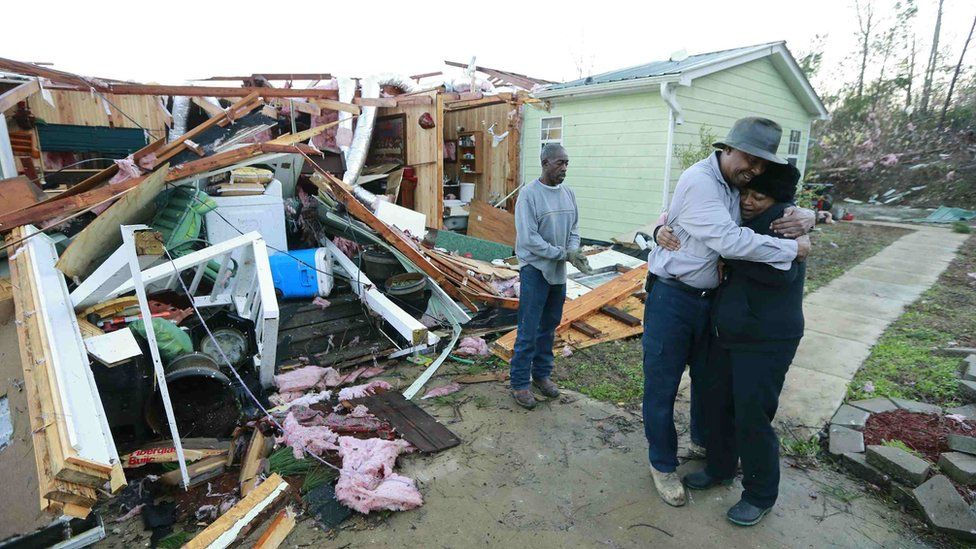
(704, 216)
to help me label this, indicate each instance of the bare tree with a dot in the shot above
(933, 61)
(865, 18)
(910, 77)
(955, 75)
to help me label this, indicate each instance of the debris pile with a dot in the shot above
(207, 319)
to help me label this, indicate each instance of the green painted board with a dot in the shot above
(484, 250)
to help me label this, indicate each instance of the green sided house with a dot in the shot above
(623, 128)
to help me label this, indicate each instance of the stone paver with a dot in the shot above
(962, 443)
(849, 416)
(857, 464)
(969, 368)
(845, 318)
(900, 464)
(968, 411)
(959, 466)
(844, 440)
(967, 389)
(916, 406)
(875, 405)
(945, 509)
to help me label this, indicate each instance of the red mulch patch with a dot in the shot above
(927, 434)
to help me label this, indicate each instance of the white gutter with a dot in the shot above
(675, 116)
(633, 85)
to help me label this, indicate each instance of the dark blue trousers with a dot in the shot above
(539, 312)
(675, 334)
(741, 391)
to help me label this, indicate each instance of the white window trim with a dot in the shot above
(799, 143)
(559, 141)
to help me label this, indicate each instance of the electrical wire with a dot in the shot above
(36, 179)
(237, 375)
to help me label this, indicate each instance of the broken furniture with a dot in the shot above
(249, 290)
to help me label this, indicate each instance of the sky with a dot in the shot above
(179, 40)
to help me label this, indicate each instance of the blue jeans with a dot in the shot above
(675, 334)
(539, 312)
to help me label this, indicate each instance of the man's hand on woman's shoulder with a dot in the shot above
(795, 222)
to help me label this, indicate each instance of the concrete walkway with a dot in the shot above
(846, 317)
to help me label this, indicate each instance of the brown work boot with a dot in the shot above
(524, 398)
(546, 387)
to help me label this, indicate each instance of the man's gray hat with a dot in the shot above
(759, 137)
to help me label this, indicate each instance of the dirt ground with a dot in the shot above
(574, 473)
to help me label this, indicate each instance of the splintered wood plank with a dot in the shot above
(417, 426)
(17, 193)
(277, 531)
(490, 223)
(253, 461)
(224, 531)
(598, 328)
(607, 294)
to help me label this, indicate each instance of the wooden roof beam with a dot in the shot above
(18, 94)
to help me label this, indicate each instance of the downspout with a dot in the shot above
(674, 117)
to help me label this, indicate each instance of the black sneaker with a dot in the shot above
(700, 480)
(746, 514)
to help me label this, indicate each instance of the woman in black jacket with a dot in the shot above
(757, 323)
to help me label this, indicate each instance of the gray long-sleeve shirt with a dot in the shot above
(547, 228)
(704, 215)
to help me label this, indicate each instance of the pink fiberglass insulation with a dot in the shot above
(472, 346)
(362, 373)
(315, 439)
(303, 379)
(360, 411)
(359, 391)
(443, 390)
(367, 481)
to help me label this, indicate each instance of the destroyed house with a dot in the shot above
(626, 130)
(238, 314)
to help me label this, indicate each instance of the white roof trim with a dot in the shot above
(781, 59)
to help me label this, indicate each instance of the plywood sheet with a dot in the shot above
(102, 236)
(490, 223)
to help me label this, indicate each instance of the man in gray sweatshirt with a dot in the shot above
(547, 236)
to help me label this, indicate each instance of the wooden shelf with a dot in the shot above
(475, 165)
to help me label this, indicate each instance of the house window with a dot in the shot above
(552, 130)
(794, 149)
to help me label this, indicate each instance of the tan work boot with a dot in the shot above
(547, 387)
(669, 487)
(524, 398)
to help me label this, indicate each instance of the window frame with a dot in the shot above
(793, 148)
(543, 141)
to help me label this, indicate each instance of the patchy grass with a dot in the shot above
(840, 246)
(801, 449)
(961, 227)
(611, 372)
(902, 363)
(901, 446)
